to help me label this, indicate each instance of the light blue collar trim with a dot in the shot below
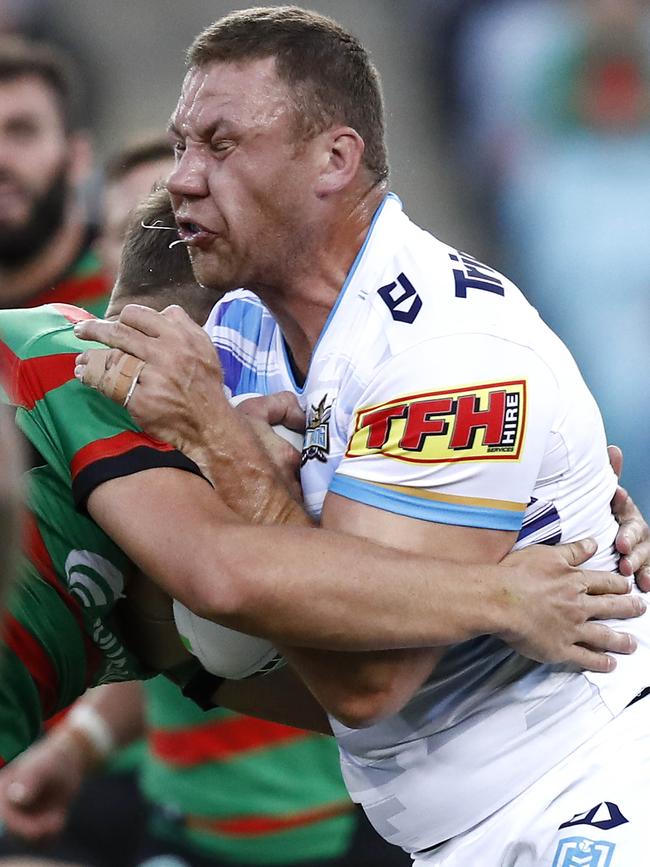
(348, 280)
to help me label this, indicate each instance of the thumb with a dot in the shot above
(576, 553)
(615, 459)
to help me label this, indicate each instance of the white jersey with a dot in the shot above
(436, 392)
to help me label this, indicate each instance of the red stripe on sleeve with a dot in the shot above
(73, 314)
(32, 654)
(37, 552)
(28, 380)
(220, 739)
(112, 447)
(253, 826)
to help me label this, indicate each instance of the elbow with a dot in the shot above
(359, 710)
(220, 594)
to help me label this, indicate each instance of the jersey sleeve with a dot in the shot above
(85, 437)
(241, 331)
(452, 431)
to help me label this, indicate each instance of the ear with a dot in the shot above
(341, 160)
(80, 150)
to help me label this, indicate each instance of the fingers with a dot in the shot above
(147, 321)
(578, 552)
(612, 607)
(590, 660)
(595, 639)
(598, 637)
(598, 583)
(279, 408)
(117, 335)
(91, 366)
(615, 459)
(643, 579)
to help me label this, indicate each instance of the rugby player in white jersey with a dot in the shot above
(443, 419)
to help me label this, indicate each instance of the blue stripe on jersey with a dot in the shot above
(238, 322)
(426, 510)
(541, 524)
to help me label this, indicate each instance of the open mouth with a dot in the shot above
(194, 234)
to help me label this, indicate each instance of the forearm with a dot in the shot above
(280, 697)
(106, 718)
(245, 478)
(323, 589)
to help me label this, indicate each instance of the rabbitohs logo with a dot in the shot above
(97, 584)
(317, 435)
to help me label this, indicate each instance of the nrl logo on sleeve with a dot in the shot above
(473, 423)
(317, 434)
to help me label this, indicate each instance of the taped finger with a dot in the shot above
(95, 367)
(119, 378)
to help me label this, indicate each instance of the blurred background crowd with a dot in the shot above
(519, 130)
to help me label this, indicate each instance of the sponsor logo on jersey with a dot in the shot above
(317, 435)
(473, 423)
(603, 816)
(583, 852)
(472, 274)
(401, 299)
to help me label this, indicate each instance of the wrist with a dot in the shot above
(87, 736)
(497, 603)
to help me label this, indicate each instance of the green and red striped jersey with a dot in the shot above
(84, 284)
(242, 789)
(59, 632)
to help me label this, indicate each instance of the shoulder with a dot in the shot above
(436, 290)
(37, 349)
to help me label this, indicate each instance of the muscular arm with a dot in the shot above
(366, 686)
(299, 585)
(292, 583)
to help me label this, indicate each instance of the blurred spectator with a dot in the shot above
(130, 175)
(551, 103)
(45, 235)
(21, 16)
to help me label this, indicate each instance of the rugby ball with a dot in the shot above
(220, 650)
(223, 651)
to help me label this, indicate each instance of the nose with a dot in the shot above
(188, 178)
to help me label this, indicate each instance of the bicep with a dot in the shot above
(360, 688)
(166, 521)
(430, 538)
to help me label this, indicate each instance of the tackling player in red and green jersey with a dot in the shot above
(59, 630)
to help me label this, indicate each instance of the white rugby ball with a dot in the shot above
(220, 650)
(223, 651)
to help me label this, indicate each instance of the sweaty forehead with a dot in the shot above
(248, 93)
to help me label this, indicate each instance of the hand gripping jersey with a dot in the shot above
(436, 392)
(59, 636)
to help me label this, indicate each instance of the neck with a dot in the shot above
(304, 301)
(19, 284)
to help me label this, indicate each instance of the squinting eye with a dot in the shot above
(221, 145)
(179, 148)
